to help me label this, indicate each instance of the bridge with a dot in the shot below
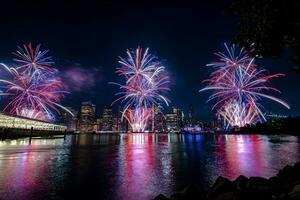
(8, 121)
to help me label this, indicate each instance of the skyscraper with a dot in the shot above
(116, 125)
(107, 119)
(191, 115)
(158, 120)
(87, 117)
(174, 120)
(71, 121)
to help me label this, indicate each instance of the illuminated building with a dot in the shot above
(191, 115)
(116, 126)
(174, 120)
(18, 122)
(157, 120)
(107, 119)
(70, 121)
(212, 125)
(99, 124)
(270, 115)
(87, 117)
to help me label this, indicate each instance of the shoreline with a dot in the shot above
(13, 134)
(285, 186)
(19, 134)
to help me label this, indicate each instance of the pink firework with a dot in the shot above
(34, 98)
(239, 88)
(240, 113)
(34, 90)
(138, 118)
(146, 82)
(32, 60)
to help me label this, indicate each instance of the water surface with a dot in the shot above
(135, 166)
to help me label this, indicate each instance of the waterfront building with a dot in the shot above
(87, 117)
(191, 116)
(116, 125)
(8, 121)
(160, 123)
(157, 121)
(271, 115)
(97, 126)
(174, 120)
(212, 125)
(71, 121)
(107, 119)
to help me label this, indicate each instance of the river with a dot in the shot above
(135, 166)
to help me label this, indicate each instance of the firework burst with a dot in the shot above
(32, 97)
(32, 60)
(146, 82)
(239, 87)
(34, 88)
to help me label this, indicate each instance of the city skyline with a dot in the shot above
(86, 120)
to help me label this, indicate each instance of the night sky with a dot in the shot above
(85, 40)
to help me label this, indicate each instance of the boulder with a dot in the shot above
(275, 187)
(221, 185)
(253, 188)
(226, 196)
(190, 192)
(294, 194)
(287, 175)
(240, 183)
(177, 196)
(297, 167)
(297, 171)
(161, 197)
(257, 183)
(284, 186)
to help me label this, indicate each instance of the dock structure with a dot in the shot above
(8, 121)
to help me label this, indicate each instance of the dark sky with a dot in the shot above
(85, 39)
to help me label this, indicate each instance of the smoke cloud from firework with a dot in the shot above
(78, 78)
(239, 87)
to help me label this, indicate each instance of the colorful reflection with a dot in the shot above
(26, 170)
(252, 155)
(144, 169)
(135, 166)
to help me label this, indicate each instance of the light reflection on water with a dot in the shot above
(135, 166)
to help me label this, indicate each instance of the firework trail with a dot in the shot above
(146, 82)
(239, 87)
(138, 118)
(32, 61)
(240, 114)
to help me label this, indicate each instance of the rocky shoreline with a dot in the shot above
(284, 186)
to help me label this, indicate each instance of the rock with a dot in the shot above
(257, 183)
(297, 166)
(177, 196)
(190, 192)
(287, 175)
(284, 186)
(297, 171)
(161, 197)
(226, 196)
(221, 185)
(294, 194)
(253, 188)
(240, 183)
(275, 187)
